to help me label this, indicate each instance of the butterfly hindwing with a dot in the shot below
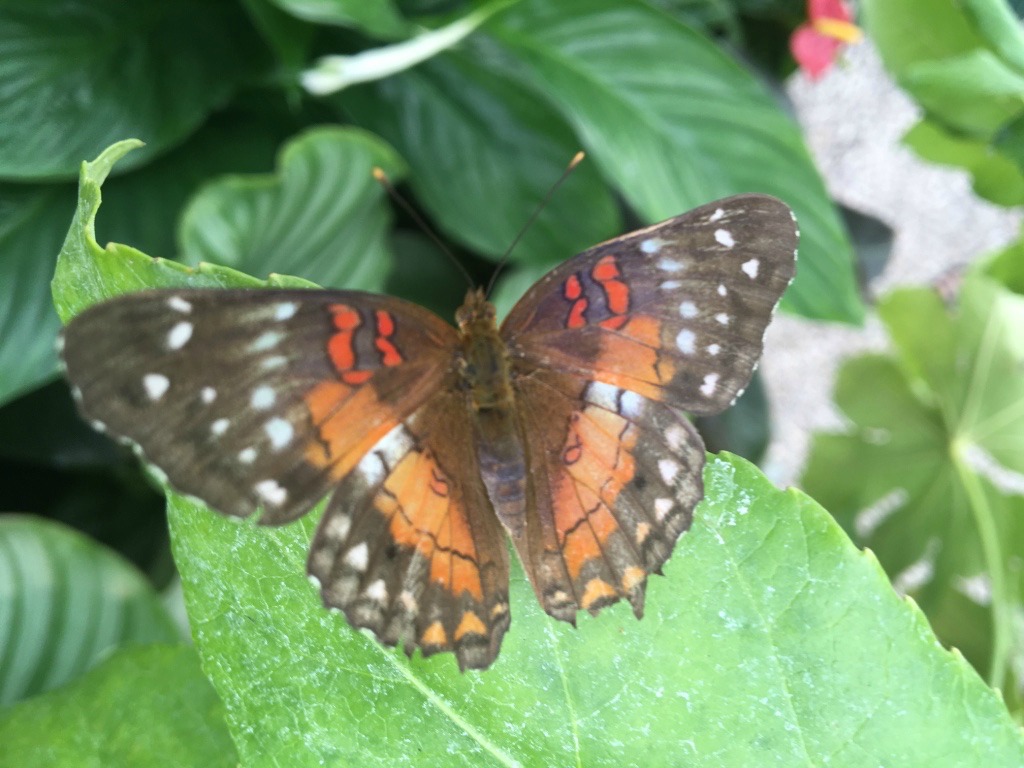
(614, 480)
(408, 547)
(250, 399)
(675, 312)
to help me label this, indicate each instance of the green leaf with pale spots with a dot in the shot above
(771, 641)
(144, 707)
(65, 603)
(932, 468)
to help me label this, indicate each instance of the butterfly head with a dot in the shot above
(476, 313)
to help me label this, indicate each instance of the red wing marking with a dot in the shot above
(385, 329)
(342, 349)
(606, 273)
(573, 291)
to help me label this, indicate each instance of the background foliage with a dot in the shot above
(771, 641)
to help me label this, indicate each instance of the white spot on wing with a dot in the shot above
(724, 237)
(156, 385)
(247, 455)
(751, 267)
(723, 318)
(604, 395)
(285, 310)
(710, 384)
(662, 507)
(719, 213)
(272, 362)
(714, 349)
(722, 290)
(337, 527)
(208, 395)
(219, 427)
(271, 492)
(266, 340)
(179, 335)
(685, 341)
(688, 309)
(263, 397)
(358, 558)
(668, 470)
(632, 403)
(670, 285)
(675, 436)
(670, 265)
(280, 432)
(377, 591)
(179, 304)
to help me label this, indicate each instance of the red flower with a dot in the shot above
(816, 43)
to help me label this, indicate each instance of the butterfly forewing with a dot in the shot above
(675, 312)
(249, 399)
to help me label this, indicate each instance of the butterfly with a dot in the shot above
(563, 428)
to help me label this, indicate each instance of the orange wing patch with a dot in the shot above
(598, 463)
(422, 515)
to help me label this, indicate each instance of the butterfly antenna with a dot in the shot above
(384, 181)
(576, 160)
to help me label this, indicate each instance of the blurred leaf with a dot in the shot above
(321, 215)
(424, 275)
(872, 242)
(673, 122)
(31, 221)
(931, 475)
(144, 707)
(289, 37)
(766, 608)
(87, 273)
(974, 93)
(141, 208)
(65, 602)
(965, 66)
(78, 76)
(378, 18)
(511, 149)
(744, 428)
(995, 176)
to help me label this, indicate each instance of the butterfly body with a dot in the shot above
(563, 427)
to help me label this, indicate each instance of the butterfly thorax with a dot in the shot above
(484, 362)
(486, 374)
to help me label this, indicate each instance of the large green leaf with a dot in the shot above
(145, 707)
(673, 122)
(379, 18)
(140, 208)
(931, 475)
(65, 603)
(483, 153)
(79, 75)
(87, 272)
(964, 63)
(772, 641)
(321, 215)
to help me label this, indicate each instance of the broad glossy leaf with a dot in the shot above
(87, 273)
(145, 707)
(771, 641)
(65, 603)
(321, 215)
(931, 474)
(483, 152)
(80, 75)
(673, 122)
(379, 18)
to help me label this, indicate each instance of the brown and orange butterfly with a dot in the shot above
(562, 428)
